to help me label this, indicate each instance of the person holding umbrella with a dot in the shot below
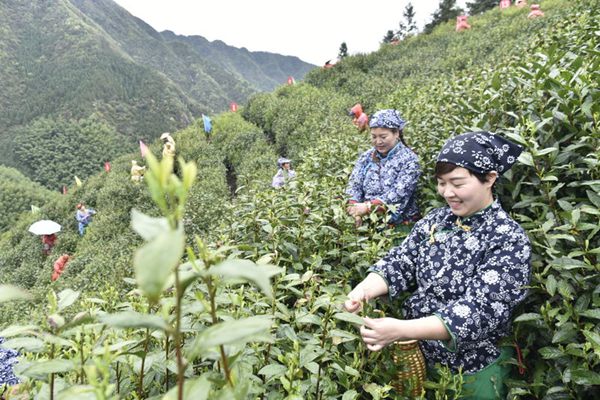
(47, 229)
(48, 242)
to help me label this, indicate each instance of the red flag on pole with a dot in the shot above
(143, 149)
(107, 166)
(233, 106)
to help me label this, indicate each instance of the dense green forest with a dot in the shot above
(18, 194)
(63, 61)
(214, 281)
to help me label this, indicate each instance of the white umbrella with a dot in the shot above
(44, 227)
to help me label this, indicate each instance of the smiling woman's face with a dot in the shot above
(384, 139)
(464, 193)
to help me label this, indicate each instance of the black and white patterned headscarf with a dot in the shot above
(481, 152)
(389, 118)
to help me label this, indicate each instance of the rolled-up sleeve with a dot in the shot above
(492, 294)
(398, 266)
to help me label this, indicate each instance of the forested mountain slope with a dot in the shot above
(63, 61)
(233, 73)
(541, 92)
(18, 194)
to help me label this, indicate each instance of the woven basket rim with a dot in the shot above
(406, 341)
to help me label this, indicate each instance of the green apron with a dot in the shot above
(490, 382)
(403, 229)
(487, 384)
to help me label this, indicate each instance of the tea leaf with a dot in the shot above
(10, 293)
(594, 313)
(155, 261)
(16, 330)
(565, 263)
(349, 317)
(550, 353)
(526, 158)
(41, 368)
(272, 370)
(148, 227)
(78, 392)
(66, 298)
(585, 377)
(564, 334)
(594, 338)
(528, 317)
(248, 271)
(193, 389)
(551, 285)
(232, 332)
(594, 198)
(31, 344)
(132, 319)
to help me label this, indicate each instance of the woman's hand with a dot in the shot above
(359, 209)
(355, 299)
(371, 287)
(379, 332)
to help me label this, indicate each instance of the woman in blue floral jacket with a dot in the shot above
(466, 265)
(387, 174)
(7, 359)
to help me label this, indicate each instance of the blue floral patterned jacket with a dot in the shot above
(392, 181)
(7, 360)
(470, 274)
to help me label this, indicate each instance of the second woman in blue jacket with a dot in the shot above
(386, 176)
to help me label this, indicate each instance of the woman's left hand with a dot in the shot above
(379, 332)
(359, 209)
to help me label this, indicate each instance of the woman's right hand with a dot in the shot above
(355, 299)
(371, 287)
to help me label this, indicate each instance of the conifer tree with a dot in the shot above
(389, 36)
(408, 26)
(479, 6)
(343, 51)
(447, 10)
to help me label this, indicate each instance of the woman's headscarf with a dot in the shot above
(283, 160)
(389, 118)
(481, 152)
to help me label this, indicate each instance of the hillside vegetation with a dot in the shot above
(64, 61)
(18, 194)
(256, 276)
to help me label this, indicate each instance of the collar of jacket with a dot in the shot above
(473, 221)
(377, 155)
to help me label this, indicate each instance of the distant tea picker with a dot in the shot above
(137, 172)
(284, 173)
(47, 229)
(84, 217)
(359, 117)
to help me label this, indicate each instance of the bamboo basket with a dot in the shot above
(410, 365)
